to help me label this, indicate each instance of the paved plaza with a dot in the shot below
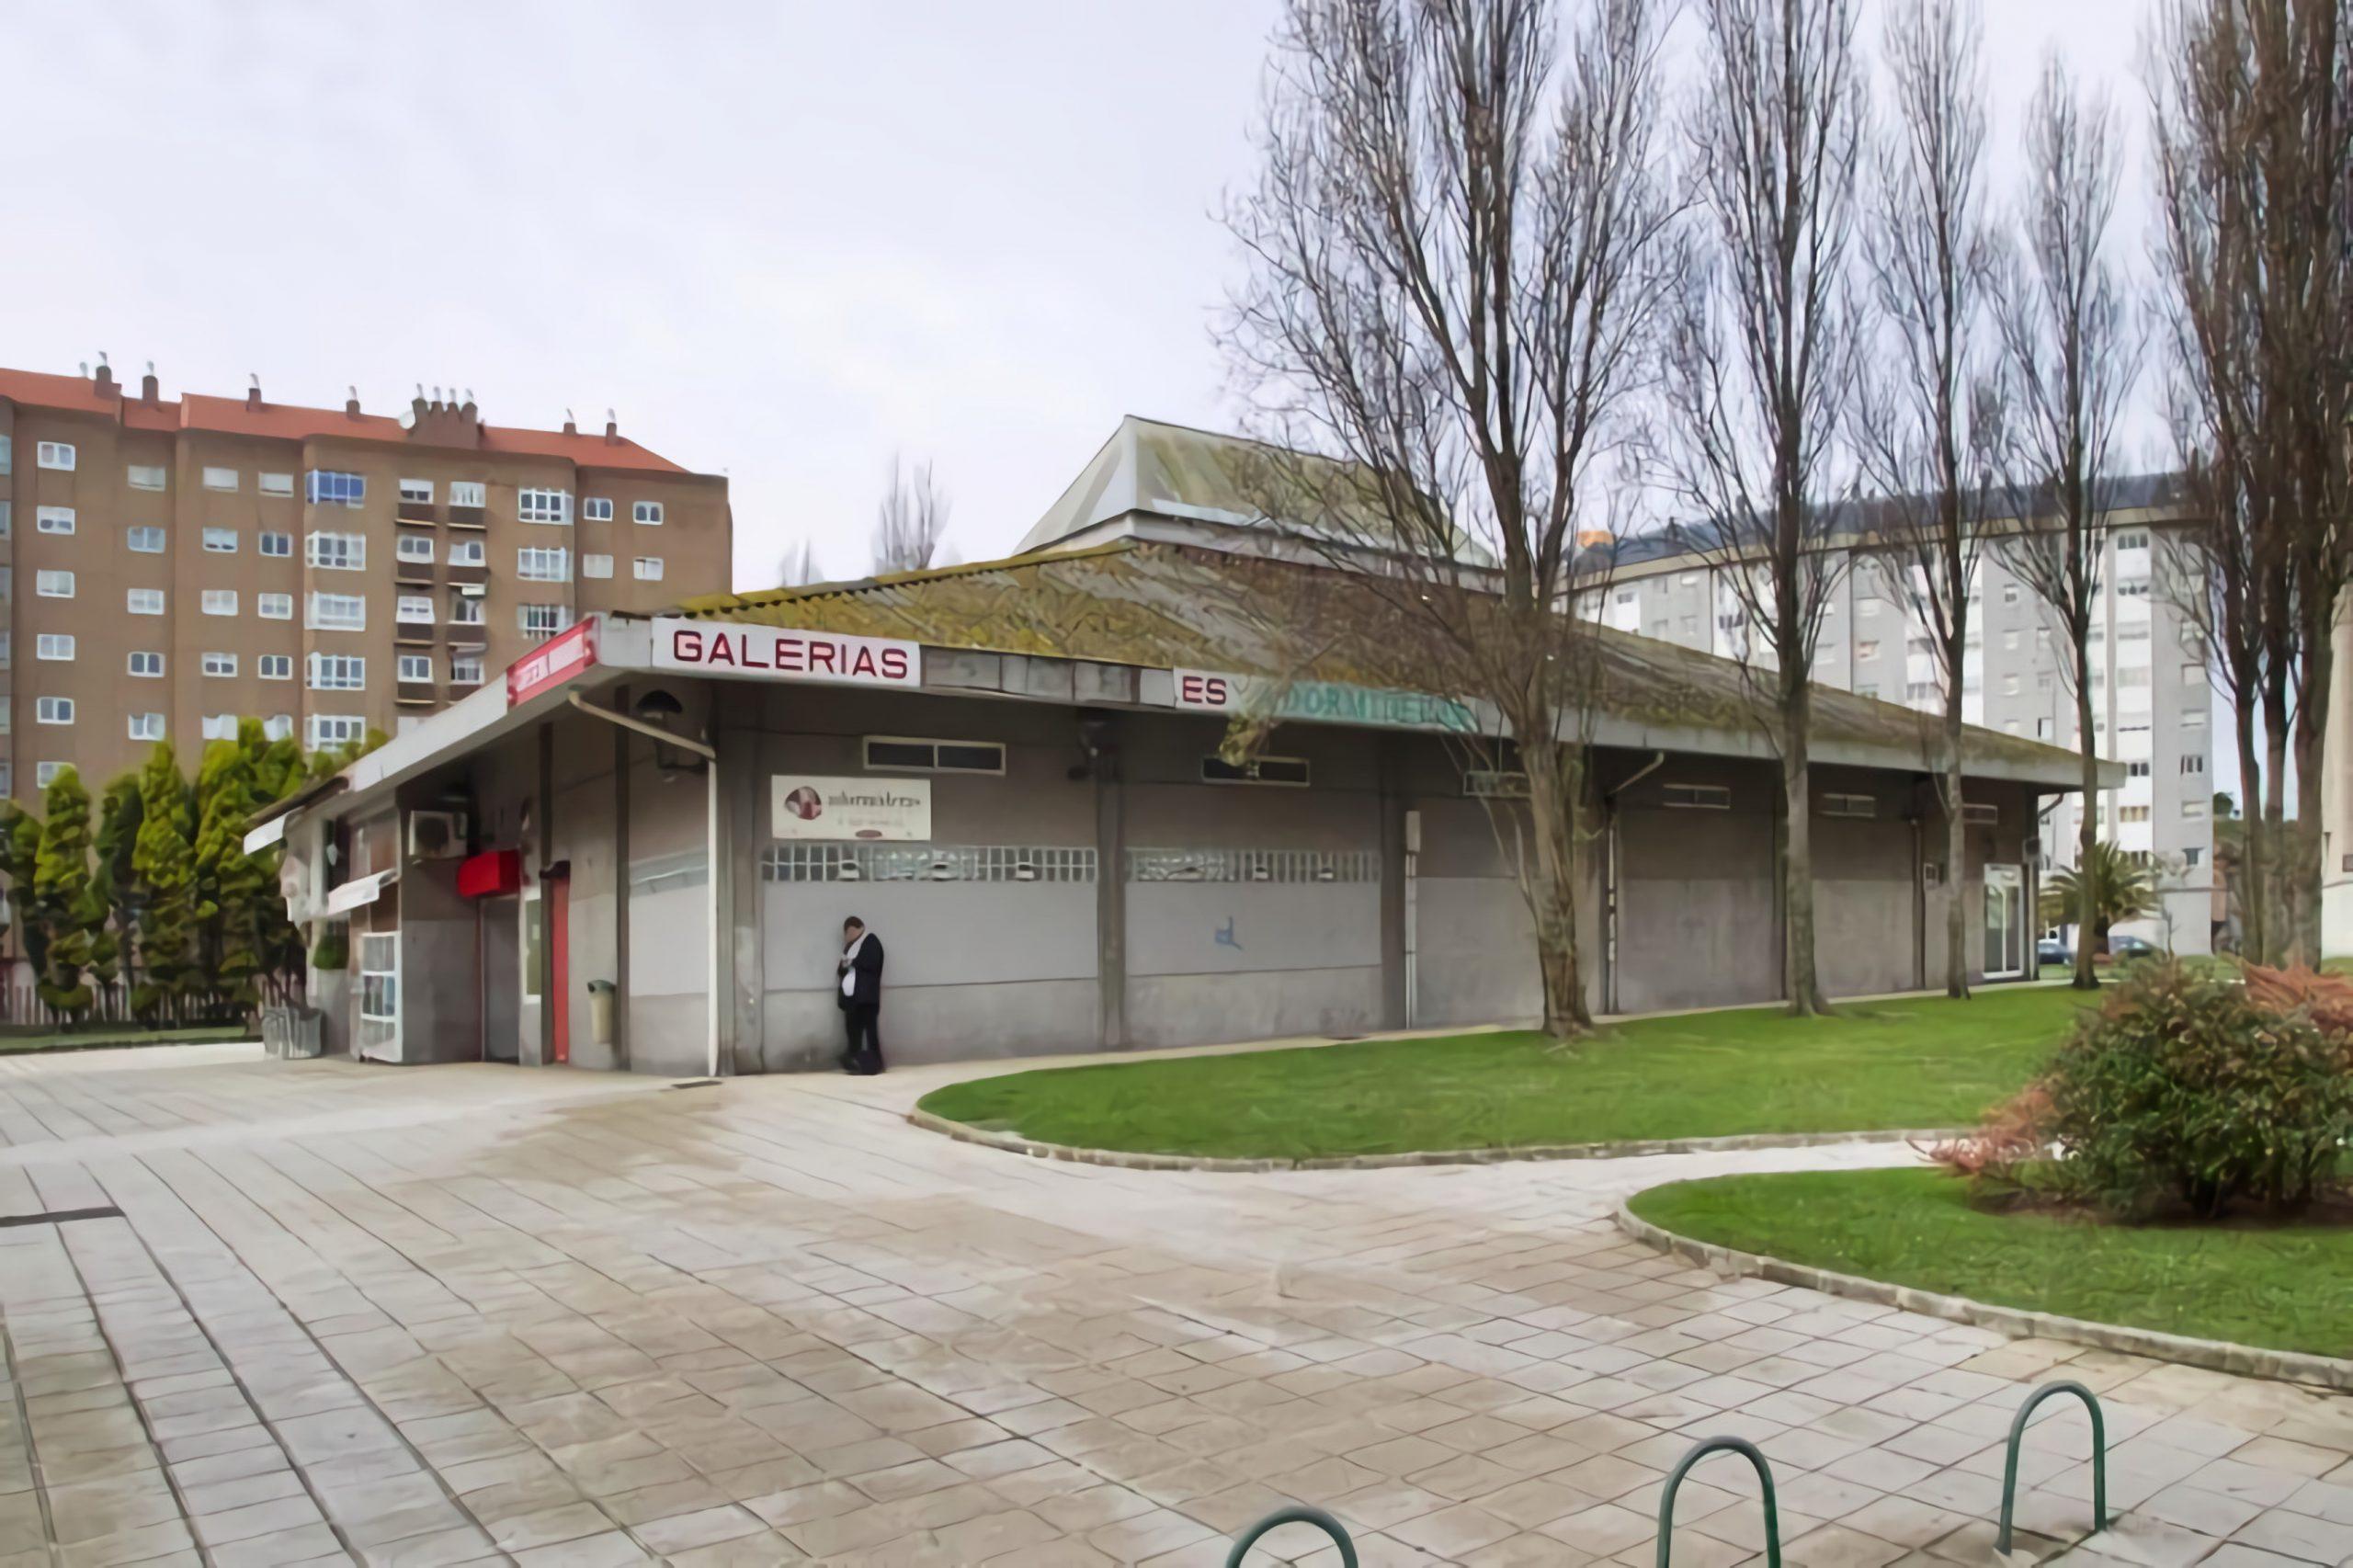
(443, 1315)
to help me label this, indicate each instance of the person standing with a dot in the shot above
(861, 1000)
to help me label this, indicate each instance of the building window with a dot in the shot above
(465, 669)
(413, 609)
(2193, 720)
(380, 984)
(143, 601)
(54, 709)
(7, 518)
(2133, 540)
(220, 479)
(338, 671)
(146, 726)
(275, 667)
(415, 667)
(332, 487)
(2193, 675)
(53, 519)
(542, 620)
(650, 514)
(536, 563)
(278, 544)
(221, 542)
(1287, 771)
(895, 754)
(46, 773)
(533, 506)
(597, 509)
(274, 606)
(150, 665)
(277, 726)
(275, 484)
(219, 601)
(338, 553)
(419, 491)
(1870, 691)
(324, 729)
(1980, 813)
(1860, 806)
(144, 476)
(219, 663)
(2193, 808)
(2193, 764)
(2132, 813)
(2009, 686)
(1696, 796)
(465, 610)
(2191, 856)
(2132, 588)
(54, 584)
(413, 547)
(337, 613)
(2042, 729)
(144, 540)
(219, 726)
(55, 454)
(468, 553)
(467, 493)
(2136, 770)
(596, 565)
(1867, 650)
(54, 645)
(649, 568)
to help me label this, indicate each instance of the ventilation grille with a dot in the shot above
(1254, 866)
(924, 863)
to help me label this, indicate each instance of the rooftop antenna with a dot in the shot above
(102, 359)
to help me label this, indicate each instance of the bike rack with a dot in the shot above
(1701, 1450)
(2100, 1456)
(1299, 1514)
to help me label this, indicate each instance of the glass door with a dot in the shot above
(2004, 922)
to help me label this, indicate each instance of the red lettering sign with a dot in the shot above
(553, 663)
(787, 654)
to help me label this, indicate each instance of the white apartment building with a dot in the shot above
(2153, 706)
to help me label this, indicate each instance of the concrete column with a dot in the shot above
(736, 874)
(620, 884)
(543, 792)
(1111, 899)
(1390, 768)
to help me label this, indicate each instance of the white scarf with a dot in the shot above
(849, 961)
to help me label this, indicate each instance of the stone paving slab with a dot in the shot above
(440, 1316)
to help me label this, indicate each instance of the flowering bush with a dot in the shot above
(2190, 1086)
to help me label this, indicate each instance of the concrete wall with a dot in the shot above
(1697, 897)
(1475, 954)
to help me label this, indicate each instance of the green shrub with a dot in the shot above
(2183, 1087)
(332, 950)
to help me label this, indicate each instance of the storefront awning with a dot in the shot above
(358, 892)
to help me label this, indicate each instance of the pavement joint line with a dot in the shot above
(61, 1216)
(24, 1427)
(2330, 1372)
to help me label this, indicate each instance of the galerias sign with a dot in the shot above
(778, 653)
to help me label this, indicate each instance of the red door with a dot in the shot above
(554, 890)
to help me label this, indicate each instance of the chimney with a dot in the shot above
(571, 426)
(417, 407)
(351, 403)
(612, 429)
(150, 391)
(253, 392)
(467, 411)
(104, 381)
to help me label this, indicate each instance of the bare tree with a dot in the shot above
(800, 565)
(2069, 352)
(1927, 416)
(1458, 244)
(2254, 129)
(1760, 362)
(910, 521)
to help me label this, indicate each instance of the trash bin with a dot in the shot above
(600, 1012)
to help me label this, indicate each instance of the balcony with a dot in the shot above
(472, 518)
(467, 575)
(413, 633)
(419, 514)
(412, 574)
(416, 694)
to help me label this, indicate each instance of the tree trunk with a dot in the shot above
(1798, 980)
(2278, 927)
(2087, 829)
(2254, 893)
(1555, 793)
(2301, 871)
(1956, 844)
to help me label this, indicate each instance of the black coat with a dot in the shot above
(869, 991)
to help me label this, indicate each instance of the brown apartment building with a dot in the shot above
(169, 566)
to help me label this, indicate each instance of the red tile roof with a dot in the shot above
(290, 422)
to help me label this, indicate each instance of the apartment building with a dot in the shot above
(2152, 707)
(170, 565)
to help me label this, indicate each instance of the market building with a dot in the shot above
(637, 851)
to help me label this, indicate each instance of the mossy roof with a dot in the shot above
(1154, 604)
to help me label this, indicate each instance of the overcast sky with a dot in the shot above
(783, 241)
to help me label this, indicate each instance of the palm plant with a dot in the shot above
(2121, 890)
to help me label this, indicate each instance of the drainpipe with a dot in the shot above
(710, 755)
(1612, 876)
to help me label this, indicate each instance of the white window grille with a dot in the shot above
(915, 863)
(1254, 866)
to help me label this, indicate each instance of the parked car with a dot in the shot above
(2055, 950)
(2123, 947)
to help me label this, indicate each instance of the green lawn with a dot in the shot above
(111, 1036)
(2255, 1286)
(1913, 1063)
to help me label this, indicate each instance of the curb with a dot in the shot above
(1012, 1143)
(2213, 1355)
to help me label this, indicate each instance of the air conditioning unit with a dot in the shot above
(1932, 873)
(436, 836)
